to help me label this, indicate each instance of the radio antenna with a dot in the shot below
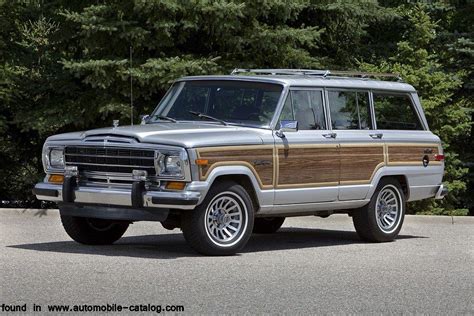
(131, 86)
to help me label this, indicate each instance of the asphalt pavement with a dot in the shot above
(311, 266)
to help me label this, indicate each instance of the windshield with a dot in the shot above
(238, 102)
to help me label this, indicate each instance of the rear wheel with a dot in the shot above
(222, 223)
(382, 219)
(93, 231)
(267, 225)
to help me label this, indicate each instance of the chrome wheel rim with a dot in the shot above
(388, 209)
(226, 219)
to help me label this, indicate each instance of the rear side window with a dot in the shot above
(306, 107)
(349, 109)
(395, 111)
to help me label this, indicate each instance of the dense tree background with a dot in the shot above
(64, 65)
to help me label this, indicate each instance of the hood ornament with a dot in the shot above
(115, 123)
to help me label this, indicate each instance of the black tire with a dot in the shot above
(204, 226)
(93, 231)
(267, 225)
(372, 223)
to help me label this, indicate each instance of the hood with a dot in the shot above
(187, 135)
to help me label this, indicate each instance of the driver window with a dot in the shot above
(306, 107)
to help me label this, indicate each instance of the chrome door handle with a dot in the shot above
(376, 136)
(330, 135)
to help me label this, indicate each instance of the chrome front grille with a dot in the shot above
(98, 163)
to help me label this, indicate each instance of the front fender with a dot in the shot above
(264, 197)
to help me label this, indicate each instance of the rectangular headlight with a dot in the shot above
(56, 158)
(171, 163)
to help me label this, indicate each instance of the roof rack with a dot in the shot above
(317, 72)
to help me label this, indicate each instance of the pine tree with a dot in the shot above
(65, 64)
(419, 65)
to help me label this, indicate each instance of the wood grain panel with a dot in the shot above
(308, 166)
(406, 154)
(315, 165)
(358, 163)
(259, 160)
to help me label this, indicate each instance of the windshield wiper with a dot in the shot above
(166, 118)
(201, 115)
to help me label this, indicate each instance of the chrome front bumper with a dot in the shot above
(185, 200)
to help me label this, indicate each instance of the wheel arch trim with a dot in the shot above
(264, 197)
(392, 172)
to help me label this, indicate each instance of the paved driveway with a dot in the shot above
(312, 265)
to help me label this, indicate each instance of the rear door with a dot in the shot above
(307, 161)
(361, 148)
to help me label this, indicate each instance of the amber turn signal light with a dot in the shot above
(56, 178)
(174, 185)
(202, 162)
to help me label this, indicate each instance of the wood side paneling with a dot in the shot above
(359, 163)
(259, 159)
(304, 166)
(411, 154)
(313, 165)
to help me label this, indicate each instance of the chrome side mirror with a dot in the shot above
(287, 126)
(144, 119)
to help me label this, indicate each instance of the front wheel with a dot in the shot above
(222, 223)
(382, 219)
(93, 231)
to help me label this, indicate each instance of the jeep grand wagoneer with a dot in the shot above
(224, 156)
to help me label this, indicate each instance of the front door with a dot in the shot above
(307, 168)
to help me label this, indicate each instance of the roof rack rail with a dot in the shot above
(317, 72)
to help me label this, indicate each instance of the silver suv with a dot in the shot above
(224, 156)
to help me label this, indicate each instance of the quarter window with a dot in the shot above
(396, 112)
(349, 109)
(306, 107)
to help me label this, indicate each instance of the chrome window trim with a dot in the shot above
(279, 107)
(372, 109)
(328, 110)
